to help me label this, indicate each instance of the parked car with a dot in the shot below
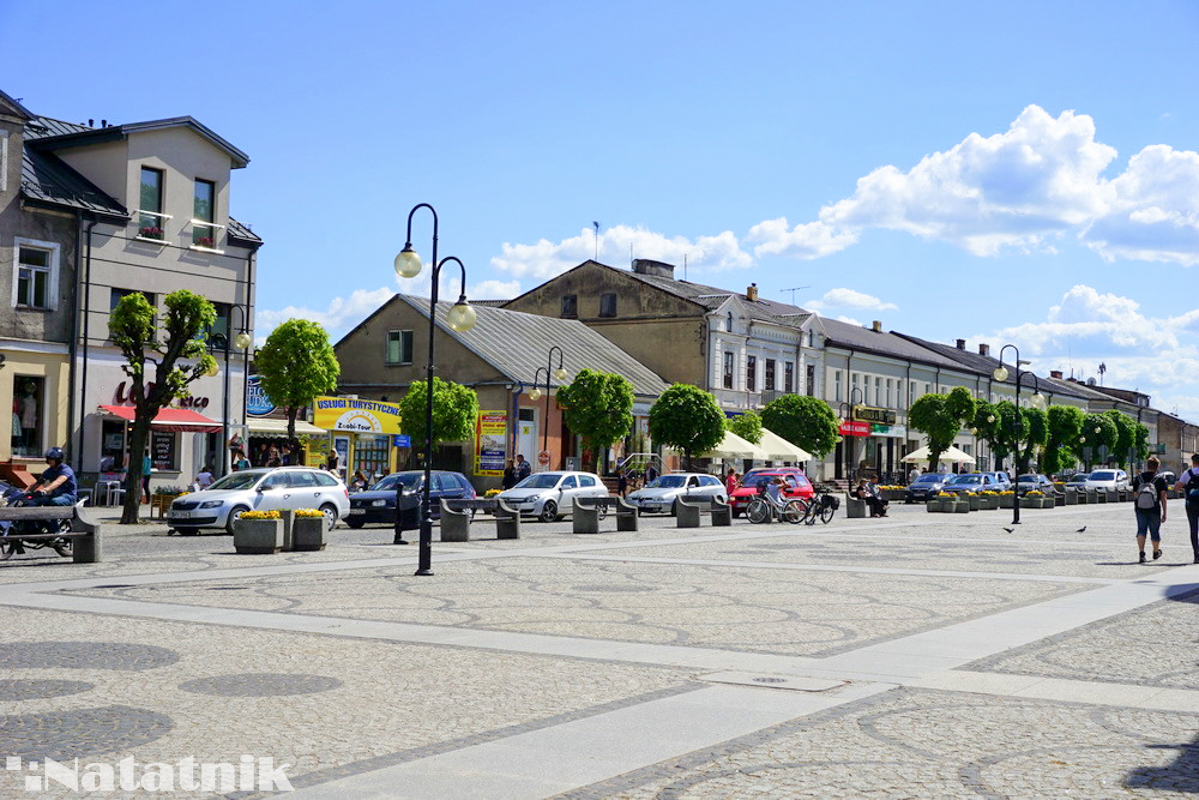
(1028, 483)
(1110, 479)
(1077, 481)
(262, 489)
(1002, 481)
(970, 482)
(660, 495)
(926, 486)
(378, 503)
(550, 495)
(797, 486)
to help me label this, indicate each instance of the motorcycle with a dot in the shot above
(12, 496)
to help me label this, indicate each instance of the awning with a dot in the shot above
(273, 426)
(176, 420)
(950, 456)
(779, 449)
(733, 446)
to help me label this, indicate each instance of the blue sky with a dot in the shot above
(1015, 172)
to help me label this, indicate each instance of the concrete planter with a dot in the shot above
(1082, 498)
(1071, 498)
(1059, 500)
(988, 502)
(958, 507)
(1006, 500)
(975, 502)
(308, 533)
(933, 505)
(258, 536)
(1112, 496)
(1098, 497)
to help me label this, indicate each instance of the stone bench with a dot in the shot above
(85, 529)
(688, 509)
(855, 507)
(456, 517)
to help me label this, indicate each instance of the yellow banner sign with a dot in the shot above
(359, 416)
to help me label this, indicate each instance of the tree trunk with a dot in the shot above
(139, 438)
(291, 424)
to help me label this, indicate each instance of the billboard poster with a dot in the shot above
(358, 416)
(257, 402)
(491, 443)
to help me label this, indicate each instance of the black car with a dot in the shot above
(924, 487)
(378, 503)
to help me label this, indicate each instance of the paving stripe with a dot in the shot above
(1105, 693)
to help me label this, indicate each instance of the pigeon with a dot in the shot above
(1008, 530)
(1082, 529)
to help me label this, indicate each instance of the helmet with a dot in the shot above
(54, 453)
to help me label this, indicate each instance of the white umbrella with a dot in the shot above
(952, 456)
(733, 446)
(779, 449)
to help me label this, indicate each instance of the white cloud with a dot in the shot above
(848, 298)
(849, 320)
(807, 241)
(341, 315)
(494, 290)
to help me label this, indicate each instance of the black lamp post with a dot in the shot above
(221, 341)
(1038, 401)
(847, 415)
(460, 318)
(561, 375)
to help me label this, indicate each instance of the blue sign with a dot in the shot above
(257, 403)
(401, 440)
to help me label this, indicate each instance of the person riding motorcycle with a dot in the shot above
(57, 485)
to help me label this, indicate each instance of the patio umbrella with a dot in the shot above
(733, 446)
(779, 449)
(951, 456)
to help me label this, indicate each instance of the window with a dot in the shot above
(218, 331)
(811, 380)
(119, 294)
(837, 386)
(399, 347)
(371, 455)
(811, 338)
(204, 232)
(608, 304)
(768, 384)
(28, 409)
(789, 377)
(570, 306)
(728, 370)
(888, 393)
(751, 374)
(729, 324)
(878, 391)
(35, 272)
(586, 481)
(151, 221)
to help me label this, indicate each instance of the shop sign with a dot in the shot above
(257, 402)
(491, 443)
(889, 431)
(359, 416)
(870, 414)
(851, 428)
(122, 397)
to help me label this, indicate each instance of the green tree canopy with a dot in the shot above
(1126, 431)
(134, 330)
(599, 407)
(1065, 426)
(748, 426)
(1034, 433)
(687, 418)
(455, 411)
(941, 417)
(1140, 444)
(804, 421)
(297, 364)
(1098, 436)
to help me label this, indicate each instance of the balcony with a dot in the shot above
(152, 225)
(205, 236)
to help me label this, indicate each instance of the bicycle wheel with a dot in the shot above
(758, 511)
(601, 510)
(826, 513)
(64, 547)
(794, 512)
(7, 550)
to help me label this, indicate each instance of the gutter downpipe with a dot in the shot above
(83, 282)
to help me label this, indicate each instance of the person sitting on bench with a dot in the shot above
(873, 497)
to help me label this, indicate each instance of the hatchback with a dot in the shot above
(549, 495)
(1110, 479)
(663, 491)
(926, 486)
(970, 483)
(263, 489)
(378, 503)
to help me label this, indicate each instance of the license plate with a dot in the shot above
(179, 514)
(355, 511)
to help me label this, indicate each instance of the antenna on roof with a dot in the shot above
(793, 291)
(1102, 369)
(684, 266)
(596, 224)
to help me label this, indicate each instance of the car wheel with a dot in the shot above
(356, 524)
(234, 516)
(674, 508)
(736, 513)
(549, 512)
(330, 513)
(187, 531)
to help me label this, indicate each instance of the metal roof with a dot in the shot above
(855, 337)
(517, 344)
(65, 134)
(47, 179)
(238, 230)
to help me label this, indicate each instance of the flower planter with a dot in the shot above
(975, 502)
(988, 502)
(958, 507)
(933, 505)
(1070, 498)
(258, 536)
(1006, 500)
(1059, 500)
(308, 533)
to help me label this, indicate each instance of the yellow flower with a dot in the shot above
(309, 512)
(491, 492)
(261, 515)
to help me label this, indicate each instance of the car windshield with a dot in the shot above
(388, 483)
(1029, 478)
(668, 482)
(1103, 475)
(930, 479)
(964, 479)
(1079, 478)
(236, 480)
(543, 481)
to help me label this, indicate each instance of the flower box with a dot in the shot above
(308, 533)
(258, 536)
(975, 502)
(1006, 500)
(934, 505)
(988, 502)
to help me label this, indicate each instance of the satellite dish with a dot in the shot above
(1090, 381)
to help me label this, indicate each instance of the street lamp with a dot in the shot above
(559, 373)
(1001, 374)
(846, 410)
(242, 341)
(461, 318)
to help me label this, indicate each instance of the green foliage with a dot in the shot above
(748, 426)
(297, 364)
(133, 328)
(1065, 426)
(1126, 429)
(455, 411)
(1034, 433)
(687, 418)
(941, 417)
(599, 407)
(1140, 442)
(804, 421)
(1098, 432)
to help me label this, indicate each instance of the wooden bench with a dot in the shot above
(456, 516)
(689, 507)
(85, 530)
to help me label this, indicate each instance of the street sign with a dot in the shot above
(401, 440)
(543, 458)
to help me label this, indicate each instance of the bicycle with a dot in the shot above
(762, 509)
(822, 506)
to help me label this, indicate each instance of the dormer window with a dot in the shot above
(151, 222)
(205, 231)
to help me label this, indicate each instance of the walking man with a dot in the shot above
(1188, 484)
(1149, 493)
(523, 468)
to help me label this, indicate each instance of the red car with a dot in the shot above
(797, 485)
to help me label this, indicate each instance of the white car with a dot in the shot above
(263, 489)
(549, 495)
(1110, 479)
(660, 495)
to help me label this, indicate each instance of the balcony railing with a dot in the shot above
(206, 235)
(152, 225)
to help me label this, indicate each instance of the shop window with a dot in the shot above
(399, 347)
(371, 455)
(35, 284)
(570, 306)
(112, 446)
(608, 304)
(28, 415)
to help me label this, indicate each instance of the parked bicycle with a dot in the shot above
(822, 506)
(766, 507)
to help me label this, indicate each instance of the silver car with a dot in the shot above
(549, 495)
(265, 489)
(660, 495)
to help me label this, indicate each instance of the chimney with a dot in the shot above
(91, 123)
(984, 349)
(751, 294)
(877, 326)
(647, 266)
(961, 344)
(103, 123)
(1055, 373)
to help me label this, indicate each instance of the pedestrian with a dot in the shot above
(333, 462)
(730, 482)
(1188, 484)
(523, 468)
(651, 474)
(913, 474)
(240, 461)
(147, 468)
(204, 478)
(622, 483)
(509, 479)
(1149, 502)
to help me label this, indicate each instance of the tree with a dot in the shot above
(1126, 430)
(804, 421)
(1034, 433)
(687, 418)
(748, 426)
(296, 364)
(599, 407)
(1098, 433)
(134, 330)
(455, 411)
(1140, 445)
(941, 417)
(1065, 426)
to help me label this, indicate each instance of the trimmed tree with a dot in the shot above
(455, 411)
(599, 407)
(807, 422)
(1065, 426)
(748, 426)
(1034, 433)
(296, 364)
(687, 418)
(134, 330)
(941, 417)
(1126, 430)
(1098, 432)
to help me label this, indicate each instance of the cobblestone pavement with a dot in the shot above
(921, 655)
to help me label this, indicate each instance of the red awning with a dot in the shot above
(170, 419)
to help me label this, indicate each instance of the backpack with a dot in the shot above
(1147, 494)
(1192, 487)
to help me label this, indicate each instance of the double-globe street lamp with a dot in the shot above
(1038, 402)
(220, 341)
(561, 374)
(460, 318)
(846, 410)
